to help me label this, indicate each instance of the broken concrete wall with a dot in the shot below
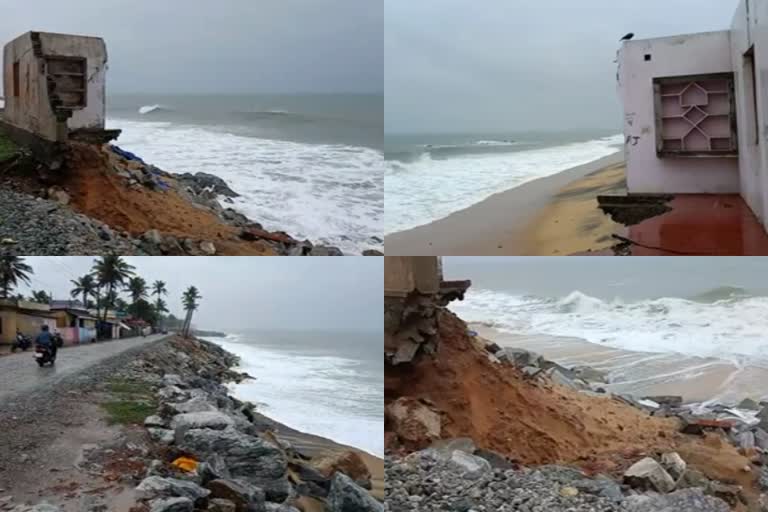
(405, 274)
(34, 64)
(642, 61)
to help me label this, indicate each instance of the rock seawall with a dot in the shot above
(200, 449)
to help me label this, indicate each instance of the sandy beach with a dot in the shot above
(552, 215)
(696, 379)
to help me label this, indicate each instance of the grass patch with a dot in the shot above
(132, 401)
(7, 148)
(129, 387)
(129, 412)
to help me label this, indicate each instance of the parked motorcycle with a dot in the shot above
(44, 355)
(21, 342)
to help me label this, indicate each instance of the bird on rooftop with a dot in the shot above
(627, 37)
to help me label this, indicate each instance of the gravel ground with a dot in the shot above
(32, 421)
(34, 226)
(422, 482)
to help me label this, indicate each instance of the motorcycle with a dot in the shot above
(44, 355)
(21, 342)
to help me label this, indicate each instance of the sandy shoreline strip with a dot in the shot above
(501, 224)
(696, 379)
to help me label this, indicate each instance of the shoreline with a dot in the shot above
(498, 225)
(696, 379)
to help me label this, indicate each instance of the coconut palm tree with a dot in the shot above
(111, 272)
(159, 289)
(137, 287)
(41, 297)
(189, 298)
(84, 286)
(160, 307)
(12, 271)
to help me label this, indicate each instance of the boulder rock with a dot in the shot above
(155, 421)
(172, 505)
(673, 464)
(346, 496)
(668, 400)
(245, 497)
(161, 435)
(208, 248)
(194, 420)
(761, 438)
(687, 500)
(154, 487)
(280, 507)
(348, 462)
(647, 474)
(221, 505)
(414, 421)
(322, 250)
(470, 466)
(247, 458)
(590, 374)
(748, 404)
(519, 357)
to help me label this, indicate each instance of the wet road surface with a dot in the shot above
(19, 373)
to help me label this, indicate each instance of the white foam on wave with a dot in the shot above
(330, 194)
(146, 109)
(425, 190)
(733, 329)
(321, 395)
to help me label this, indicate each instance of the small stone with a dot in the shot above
(208, 248)
(569, 492)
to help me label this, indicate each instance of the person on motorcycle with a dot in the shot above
(21, 341)
(44, 339)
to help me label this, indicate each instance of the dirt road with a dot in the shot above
(20, 374)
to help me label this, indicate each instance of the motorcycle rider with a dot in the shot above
(44, 339)
(21, 342)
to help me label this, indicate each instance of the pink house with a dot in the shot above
(696, 111)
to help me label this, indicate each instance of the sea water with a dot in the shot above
(428, 177)
(325, 383)
(657, 318)
(310, 165)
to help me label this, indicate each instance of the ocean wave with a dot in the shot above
(150, 109)
(428, 188)
(731, 327)
(330, 194)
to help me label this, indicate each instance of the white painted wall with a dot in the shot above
(750, 29)
(694, 54)
(32, 110)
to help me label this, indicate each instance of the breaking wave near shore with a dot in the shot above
(724, 323)
(321, 394)
(331, 194)
(436, 180)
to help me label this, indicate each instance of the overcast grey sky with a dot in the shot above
(249, 292)
(501, 66)
(230, 46)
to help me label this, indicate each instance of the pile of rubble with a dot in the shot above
(454, 475)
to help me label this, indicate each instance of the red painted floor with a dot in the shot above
(718, 225)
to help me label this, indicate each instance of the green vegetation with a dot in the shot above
(129, 412)
(132, 402)
(7, 148)
(129, 387)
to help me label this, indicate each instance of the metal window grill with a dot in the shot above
(695, 115)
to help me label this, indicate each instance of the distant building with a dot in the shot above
(54, 84)
(696, 111)
(28, 317)
(74, 322)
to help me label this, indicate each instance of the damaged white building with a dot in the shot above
(54, 85)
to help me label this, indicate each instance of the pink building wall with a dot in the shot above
(752, 101)
(647, 173)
